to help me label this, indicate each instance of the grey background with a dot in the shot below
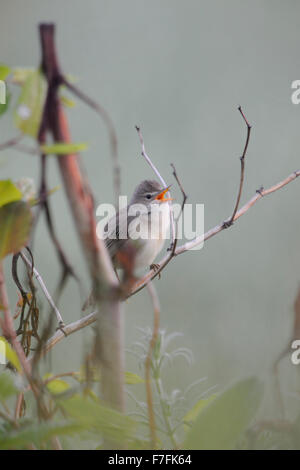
(180, 69)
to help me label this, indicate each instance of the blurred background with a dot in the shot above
(180, 70)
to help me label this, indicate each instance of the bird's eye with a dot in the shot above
(148, 196)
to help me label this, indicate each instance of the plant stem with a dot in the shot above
(159, 389)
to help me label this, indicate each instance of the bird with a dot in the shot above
(136, 234)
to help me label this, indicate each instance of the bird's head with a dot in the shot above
(150, 192)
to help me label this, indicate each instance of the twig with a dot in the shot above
(19, 404)
(169, 430)
(109, 328)
(29, 150)
(91, 318)
(8, 327)
(148, 362)
(67, 269)
(58, 376)
(111, 131)
(9, 331)
(184, 198)
(214, 231)
(148, 160)
(44, 289)
(242, 159)
(11, 142)
(68, 330)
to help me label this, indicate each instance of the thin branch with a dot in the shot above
(67, 268)
(91, 318)
(184, 198)
(149, 161)
(58, 376)
(242, 159)
(10, 332)
(111, 131)
(19, 405)
(8, 327)
(140, 284)
(109, 328)
(68, 330)
(29, 150)
(44, 289)
(11, 142)
(148, 363)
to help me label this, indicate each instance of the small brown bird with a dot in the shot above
(140, 229)
(137, 233)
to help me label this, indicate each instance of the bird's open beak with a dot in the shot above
(161, 195)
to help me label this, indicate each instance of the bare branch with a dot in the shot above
(80, 197)
(8, 327)
(11, 142)
(242, 159)
(156, 311)
(68, 330)
(148, 160)
(140, 284)
(184, 198)
(111, 131)
(44, 289)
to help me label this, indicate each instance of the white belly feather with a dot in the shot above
(153, 236)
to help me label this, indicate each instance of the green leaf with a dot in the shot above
(8, 192)
(4, 71)
(63, 149)
(57, 386)
(132, 379)
(192, 414)
(36, 434)
(67, 101)
(15, 225)
(92, 374)
(10, 354)
(4, 106)
(221, 423)
(20, 75)
(7, 386)
(97, 418)
(31, 102)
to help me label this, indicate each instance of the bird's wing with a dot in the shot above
(112, 239)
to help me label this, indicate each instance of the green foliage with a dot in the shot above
(221, 423)
(8, 192)
(15, 225)
(98, 419)
(56, 386)
(7, 386)
(132, 379)
(30, 104)
(67, 101)
(4, 106)
(4, 71)
(213, 422)
(10, 354)
(36, 434)
(20, 74)
(63, 149)
(193, 413)
(93, 375)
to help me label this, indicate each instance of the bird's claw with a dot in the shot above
(155, 268)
